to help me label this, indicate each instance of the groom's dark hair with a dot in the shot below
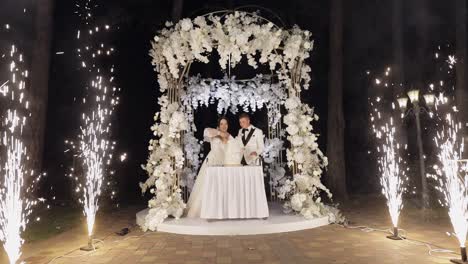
(244, 115)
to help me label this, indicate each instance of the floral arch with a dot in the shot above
(174, 151)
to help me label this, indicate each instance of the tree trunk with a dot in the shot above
(335, 130)
(423, 58)
(461, 86)
(177, 7)
(40, 79)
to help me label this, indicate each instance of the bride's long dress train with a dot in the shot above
(215, 157)
(194, 202)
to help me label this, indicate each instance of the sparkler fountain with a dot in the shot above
(94, 146)
(390, 164)
(392, 174)
(15, 207)
(452, 178)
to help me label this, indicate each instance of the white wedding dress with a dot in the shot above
(221, 154)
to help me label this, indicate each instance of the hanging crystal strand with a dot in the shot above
(179, 141)
(271, 165)
(171, 100)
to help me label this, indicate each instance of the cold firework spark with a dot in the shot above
(392, 174)
(94, 146)
(452, 176)
(14, 206)
(392, 168)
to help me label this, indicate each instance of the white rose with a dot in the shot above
(299, 157)
(302, 182)
(305, 124)
(292, 129)
(152, 203)
(290, 119)
(292, 103)
(325, 161)
(297, 140)
(186, 24)
(314, 146)
(297, 201)
(160, 184)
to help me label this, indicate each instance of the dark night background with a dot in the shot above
(368, 45)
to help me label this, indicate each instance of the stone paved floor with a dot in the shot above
(330, 244)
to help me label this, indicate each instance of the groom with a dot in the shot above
(250, 139)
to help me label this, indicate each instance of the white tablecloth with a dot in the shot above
(234, 192)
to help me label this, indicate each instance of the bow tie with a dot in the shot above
(244, 130)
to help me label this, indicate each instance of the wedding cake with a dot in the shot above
(233, 154)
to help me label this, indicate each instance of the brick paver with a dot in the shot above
(329, 244)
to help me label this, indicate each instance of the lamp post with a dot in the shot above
(417, 109)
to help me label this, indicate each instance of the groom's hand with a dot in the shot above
(253, 154)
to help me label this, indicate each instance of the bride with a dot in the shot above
(224, 150)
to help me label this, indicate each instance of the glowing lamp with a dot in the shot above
(430, 99)
(403, 103)
(413, 96)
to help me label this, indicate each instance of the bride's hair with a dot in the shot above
(222, 118)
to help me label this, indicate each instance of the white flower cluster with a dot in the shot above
(192, 148)
(229, 94)
(277, 174)
(305, 187)
(272, 149)
(162, 171)
(234, 35)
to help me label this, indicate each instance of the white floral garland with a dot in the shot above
(305, 187)
(272, 150)
(233, 35)
(170, 123)
(229, 94)
(192, 149)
